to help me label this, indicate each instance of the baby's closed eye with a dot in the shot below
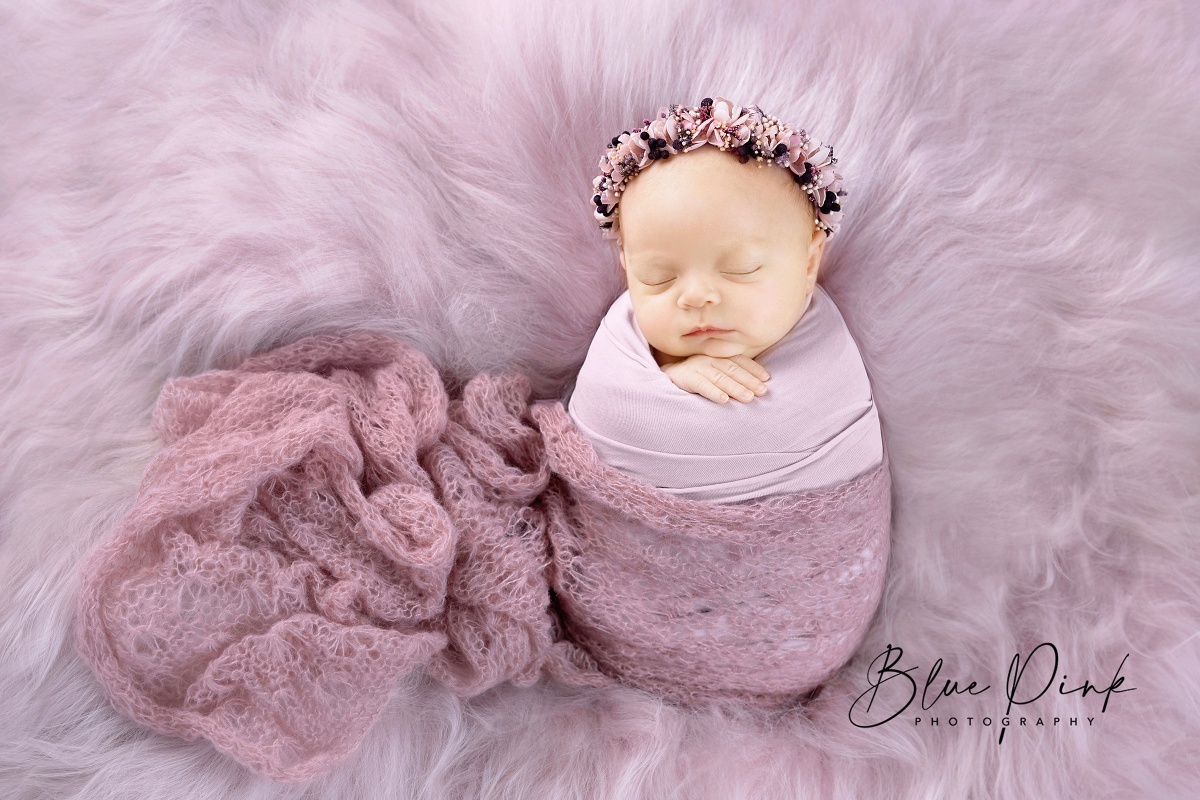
(664, 280)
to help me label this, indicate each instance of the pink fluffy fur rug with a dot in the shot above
(183, 184)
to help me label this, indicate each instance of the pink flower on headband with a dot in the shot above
(746, 132)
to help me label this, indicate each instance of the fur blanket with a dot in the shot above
(324, 519)
(185, 184)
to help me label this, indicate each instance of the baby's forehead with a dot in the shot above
(759, 217)
(726, 246)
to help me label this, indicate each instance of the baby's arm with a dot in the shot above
(718, 379)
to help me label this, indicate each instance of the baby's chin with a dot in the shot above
(717, 348)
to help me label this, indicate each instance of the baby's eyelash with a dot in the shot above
(669, 280)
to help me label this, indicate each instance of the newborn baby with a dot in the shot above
(721, 260)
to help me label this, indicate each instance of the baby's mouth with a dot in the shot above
(707, 329)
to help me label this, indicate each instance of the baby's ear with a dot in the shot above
(816, 250)
(817, 246)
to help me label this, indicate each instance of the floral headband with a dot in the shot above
(748, 132)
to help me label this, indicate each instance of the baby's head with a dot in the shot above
(706, 240)
(726, 237)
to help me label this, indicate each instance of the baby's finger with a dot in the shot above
(740, 375)
(711, 391)
(753, 367)
(733, 388)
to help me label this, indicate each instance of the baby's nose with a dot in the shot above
(699, 293)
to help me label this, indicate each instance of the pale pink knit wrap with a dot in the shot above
(324, 519)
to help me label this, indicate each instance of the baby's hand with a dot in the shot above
(718, 379)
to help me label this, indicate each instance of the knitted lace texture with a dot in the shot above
(324, 519)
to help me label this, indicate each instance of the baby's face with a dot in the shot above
(707, 241)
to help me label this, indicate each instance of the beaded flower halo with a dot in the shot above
(747, 132)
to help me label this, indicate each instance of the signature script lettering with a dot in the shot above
(885, 670)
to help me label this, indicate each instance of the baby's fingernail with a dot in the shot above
(766, 376)
(760, 389)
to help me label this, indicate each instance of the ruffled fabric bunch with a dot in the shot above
(747, 132)
(324, 519)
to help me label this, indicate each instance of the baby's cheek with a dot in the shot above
(661, 335)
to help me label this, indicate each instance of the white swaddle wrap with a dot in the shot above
(816, 427)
